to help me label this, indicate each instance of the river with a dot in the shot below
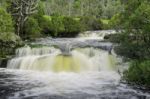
(66, 68)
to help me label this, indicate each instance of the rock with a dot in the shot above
(3, 63)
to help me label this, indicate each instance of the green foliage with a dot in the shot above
(115, 21)
(8, 39)
(135, 40)
(136, 37)
(57, 25)
(111, 8)
(6, 27)
(40, 8)
(6, 24)
(45, 24)
(105, 24)
(139, 73)
(8, 42)
(91, 23)
(32, 29)
(62, 26)
(72, 27)
(93, 8)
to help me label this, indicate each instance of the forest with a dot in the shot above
(23, 20)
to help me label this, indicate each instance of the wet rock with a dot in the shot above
(3, 63)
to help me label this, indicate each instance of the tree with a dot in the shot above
(21, 10)
(8, 39)
(111, 8)
(73, 7)
(136, 37)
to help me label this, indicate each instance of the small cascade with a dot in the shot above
(98, 35)
(27, 50)
(56, 60)
(95, 59)
(28, 58)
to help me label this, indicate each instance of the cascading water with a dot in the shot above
(33, 59)
(52, 59)
(65, 68)
(99, 35)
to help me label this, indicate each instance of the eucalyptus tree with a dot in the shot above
(96, 8)
(21, 10)
(72, 7)
(111, 7)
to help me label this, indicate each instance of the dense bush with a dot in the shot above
(6, 27)
(61, 26)
(8, 39)
(115, 21)
(6, 24)
(91, 23)
(71, 27)
(57, 26)
(139, 73)
(136, 35)
(32, 29)
(45, 25)
(135, 40)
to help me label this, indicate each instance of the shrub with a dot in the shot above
(6, 24)
(139, 73)
(105, 24)
(115, 21)
(8, 39)
(32, 29)
(57, 25)
(135, 36)
(72, 27)
(91, 23)
(60, 26)
(45, 24)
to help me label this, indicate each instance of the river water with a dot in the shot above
(65, 68)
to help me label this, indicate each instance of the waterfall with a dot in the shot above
(54, 60)
(66, 54)
(68, 68)
(33, 58)
(98, 35)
